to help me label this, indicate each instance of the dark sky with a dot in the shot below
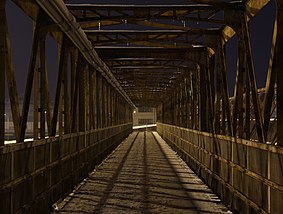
(20, 29)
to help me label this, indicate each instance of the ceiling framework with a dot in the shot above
(144, 44)
(151, 47)
(155, 46)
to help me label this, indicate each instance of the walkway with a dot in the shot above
(143, 175)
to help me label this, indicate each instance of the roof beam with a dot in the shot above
(190, 31)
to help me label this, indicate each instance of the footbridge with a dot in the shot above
(73, 72)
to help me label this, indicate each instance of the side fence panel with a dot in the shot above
(37, 174)
(246, 175)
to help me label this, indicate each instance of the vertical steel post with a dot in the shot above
(44, 89)
(58, 95)
(29, 82)
(225, 90)
(79, 65)
(91, 92)
(248, 108)
(11, 85)
(218, 92)
(2, 70)
(238, 93)
(35, 104)
(194, 99)
(257, 112)
(270, 85)
(98, 100)
(203, 98)
(82, 100)
(94, 99)
(278, 68)
(66, 95)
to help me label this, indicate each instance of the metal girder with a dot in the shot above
(160, 75)
(278, 70)
(59, 13)
(132, 7)
(2, 70)
(192, 53)
(163, 33)
(164, 37)
(172, 60)
(165, 63)
(32, 65)
(145, 67)
(93, 12)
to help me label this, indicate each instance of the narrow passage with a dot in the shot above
(143, 175)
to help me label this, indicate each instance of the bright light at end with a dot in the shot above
(134, 112)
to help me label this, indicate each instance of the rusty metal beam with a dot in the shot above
(257, 112)
(278, 69)
(2, 70)
(60, 15)
(82, 100)
(12, 86)
(132, 7)
(191, 53)
(45, 85)
(58, 96)
(163, 33)
(270, 84)
(29, 82)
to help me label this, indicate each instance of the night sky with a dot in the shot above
(20, 29)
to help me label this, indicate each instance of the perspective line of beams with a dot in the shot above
(138, 7)
(192, 31)
(146, 9)
(60, 14)
(251, 6)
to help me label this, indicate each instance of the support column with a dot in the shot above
(238, 92)
(58, 96)
(29, 82)
(248, 109)
(91, 92)
(270, 85)
(42, 104)
(278, 69)
(225, 91)
(77, 67)
(250, 66)
(203, 97)
(35, 104)
(11, 85)
(195, 99)
(218, 92)
(2, 71)
(66, 96)
(44, 86)
(210, 93)
(82, 100)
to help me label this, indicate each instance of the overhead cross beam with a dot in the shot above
(108, 53)
(94, 12)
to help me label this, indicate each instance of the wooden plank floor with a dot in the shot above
(143, 175)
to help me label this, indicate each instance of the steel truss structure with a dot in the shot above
(175, 54)
(168, 56)
(114, 58)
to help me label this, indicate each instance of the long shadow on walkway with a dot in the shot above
(142, 176)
